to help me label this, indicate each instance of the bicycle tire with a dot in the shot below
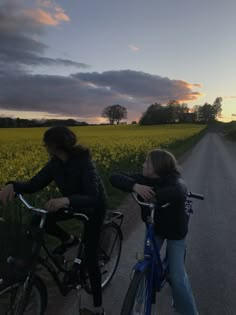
(109, 252)
(14, 300)
(134, 302)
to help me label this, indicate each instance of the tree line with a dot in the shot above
(173, 112)
(155, 114)
(8, 122)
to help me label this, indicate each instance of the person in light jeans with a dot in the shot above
(161, 181)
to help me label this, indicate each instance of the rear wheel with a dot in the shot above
(136, 299)
(18, 300)
(109, 251)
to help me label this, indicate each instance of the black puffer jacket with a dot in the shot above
(171, 222)
(77, 179)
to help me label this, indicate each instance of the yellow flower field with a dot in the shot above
(113, 147)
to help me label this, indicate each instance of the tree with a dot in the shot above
(115, 113)
(217, 106)
(208, 113)
(173, 112)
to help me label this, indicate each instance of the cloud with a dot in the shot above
(232, 96)
(46, 18)
(143, 86)
(86, 94)
(20, 36)
(133, 48)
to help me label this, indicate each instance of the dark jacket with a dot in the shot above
(171, 222)
(76, 178)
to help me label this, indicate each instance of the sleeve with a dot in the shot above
(172, 193)
(90, 182)
(36, 183)
(125, 181)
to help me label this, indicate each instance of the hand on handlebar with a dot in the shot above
(55, 204)
(7, 194)
(146, 192)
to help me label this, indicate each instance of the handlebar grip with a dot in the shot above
(196, 196)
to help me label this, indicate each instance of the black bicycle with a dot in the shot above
(22, 290)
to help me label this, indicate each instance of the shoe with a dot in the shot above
(85, 311)
(62, 248)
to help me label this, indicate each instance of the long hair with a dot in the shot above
(163, 162)
(62, 138)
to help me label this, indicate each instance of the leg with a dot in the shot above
(51, 226)
(92, 233)
(181, 288)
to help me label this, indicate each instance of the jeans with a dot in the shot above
(184, 301)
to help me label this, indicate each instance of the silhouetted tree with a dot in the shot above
(115, 113)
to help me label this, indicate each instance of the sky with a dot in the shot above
(72, 58)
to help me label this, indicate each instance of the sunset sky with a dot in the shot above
(72, 58)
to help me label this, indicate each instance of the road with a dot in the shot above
(209, 169)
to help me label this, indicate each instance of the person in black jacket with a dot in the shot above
(71, 168)
(161, 181)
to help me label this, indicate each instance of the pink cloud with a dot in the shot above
(232, 96)
(133, 48)
(49, 14)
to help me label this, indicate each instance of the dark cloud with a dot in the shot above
(20, 41)
(87, 94)
(141, 85)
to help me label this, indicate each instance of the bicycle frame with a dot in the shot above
(49, 262)
(150, 259)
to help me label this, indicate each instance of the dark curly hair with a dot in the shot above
(62, 138)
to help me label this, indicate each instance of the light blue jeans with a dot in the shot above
(184, 301)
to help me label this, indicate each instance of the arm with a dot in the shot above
(36, 183)
(91, 184)
(133, 183)
(125, 181)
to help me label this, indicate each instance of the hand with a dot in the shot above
(7, 194)
(146, 192)
(55, 204)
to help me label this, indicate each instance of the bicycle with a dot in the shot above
(22, 290)
(151, 272)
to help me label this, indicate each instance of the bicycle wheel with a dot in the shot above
(15, 300)
(109, 251)
(135, 302)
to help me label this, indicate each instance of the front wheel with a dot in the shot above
(139, 300)
(18, 300)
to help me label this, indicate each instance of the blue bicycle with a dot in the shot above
(151, 271)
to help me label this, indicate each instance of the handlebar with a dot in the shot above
(45, 212)
(148, 204)
(152, 205)
(196, 196)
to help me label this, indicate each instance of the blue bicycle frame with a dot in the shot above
(151, 260)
